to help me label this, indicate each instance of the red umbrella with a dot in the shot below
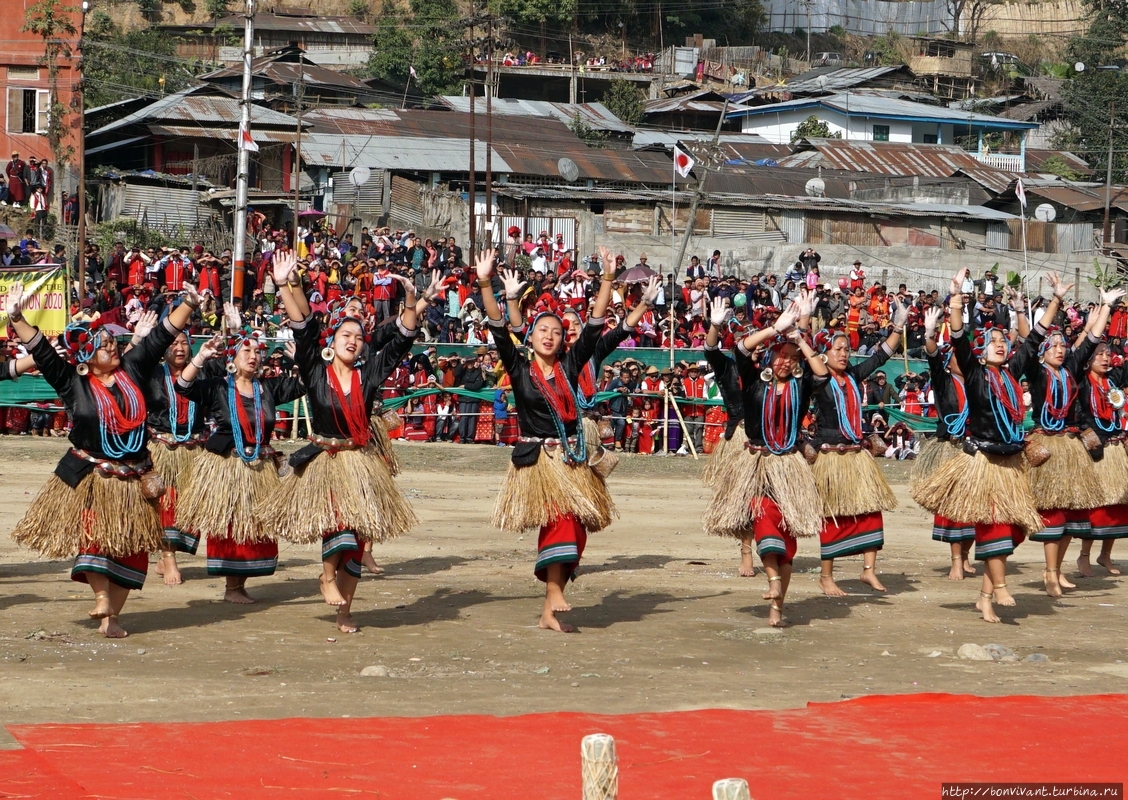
(312, 212)
(639, 273)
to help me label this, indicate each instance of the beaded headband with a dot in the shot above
(243, 338)
(81, 340)
(983, 336)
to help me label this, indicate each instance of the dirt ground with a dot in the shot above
(664, 621)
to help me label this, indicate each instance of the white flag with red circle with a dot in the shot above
(246, 142)
(683, 162)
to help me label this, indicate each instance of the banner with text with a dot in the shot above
(47, 309)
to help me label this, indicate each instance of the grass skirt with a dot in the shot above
(981, 489)
(383, 444)
(352, 490)
(932, 454)
(724, 450)
(744, 479)
(107, 513)
(174, 464)
(851, 484)
(218, 500)
(1067, 479)
(532, 497)
(1112, 475)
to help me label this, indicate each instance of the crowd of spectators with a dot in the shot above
(128, 280)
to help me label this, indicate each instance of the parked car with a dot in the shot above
(828, 60)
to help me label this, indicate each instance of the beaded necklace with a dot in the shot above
(1104, 414)
(1060, 394)
(1004, 395)
(585, 395)
(956, 423)
(178, 413)
(356, 419)
(779, 417)
(848, 407)
(562, 405)
(239, 422)
(122, 432)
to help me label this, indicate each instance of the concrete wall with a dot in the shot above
(778, 128)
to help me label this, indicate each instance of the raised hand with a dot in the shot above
(1015, 299)
(900, 316)
(955, 287)
(408, 287)
(718, 312)
(191, 296)
(608, 260)
(512, 283)
(932, 319)
(484, 264)
(434, 287)
(1060, 289)
(211, 348)
(650, 291)
(1110, 296)
(232, 321)
(787, 318)
(16, 302)
(145, 325)
(290, 349)
(283, 266)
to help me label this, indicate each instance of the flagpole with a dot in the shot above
(239, 249)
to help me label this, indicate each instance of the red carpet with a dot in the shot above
(896, 747)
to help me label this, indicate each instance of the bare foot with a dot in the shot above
(331, 593)
(968, 568)
(370, 563)
(238, 595)
(1107, 564)
(549, 622)
(869, 577)
(956, 573)
(166, 566)
(102, 608)
(829, 587)
(1084, 568)
(775, 616)
(985, 608)
(111, 630)
(1050, 580)
(1004, 597)
(747, 568)
(345, 622)
(773, 592)
(1064, 582)
(554, 600)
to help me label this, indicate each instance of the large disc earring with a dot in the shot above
(327, 354)
(82, 369)
(231, 367)
(822, 357)
(797, 371)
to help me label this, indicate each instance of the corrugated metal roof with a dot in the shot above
(594, 115)
(413, 154)
(288, 65)
(823, 81)
(199, 105)
(528, 145)
(1079, 198)
(668, 138)
(885, 158)
(266, 21)
(1036, 157)
(880, 107)
(229, 134)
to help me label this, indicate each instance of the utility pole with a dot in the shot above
(489, 125)
(298, 152)
(473, 161)
(1108, 179)
(239, 256)
(80, 245)
(698, 194)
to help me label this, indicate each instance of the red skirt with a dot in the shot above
(251, 559)
(562, 541)
(847, 536)
(946, 530)
(1053, 526)
(715, 421)
(771, 537)
(994, 540)
(484, 429)
(128, 572)
(1108, 522)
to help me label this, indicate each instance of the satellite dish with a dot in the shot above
(816, 187)
(1045, 213)
(1079, 66)
(821, 82)
(568, 169)
(358, 176)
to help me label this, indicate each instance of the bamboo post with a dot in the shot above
(731, 789)
(600, 767)
(685, 428)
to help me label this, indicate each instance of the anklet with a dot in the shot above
(1001, 585)
(776, 578)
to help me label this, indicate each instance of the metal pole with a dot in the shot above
(1108, 180)
(298, 155)
(80, 245)
(697, 194)
(473, 161)
(489, 129)
(239, 256)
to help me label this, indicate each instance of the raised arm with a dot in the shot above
(210, 349)
(513, 286)
(603, 299)
(284, 267)
(783, 322)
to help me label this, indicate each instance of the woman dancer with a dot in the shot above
(238, 465)
(731, 443)
(987, 485)
(550, 484)
(176, 436)
(951, 423)
(101, 501)
(341, 492)
(766, 488)
(1066, 486)
(853, 490)
(1102, 411)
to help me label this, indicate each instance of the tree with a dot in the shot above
(120, 64)
(813, 128)
(54, 23)
(426, 38)
(965, 18)
(625, 101)
(540, 12)
(587, 134)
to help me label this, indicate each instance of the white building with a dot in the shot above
(874, 118)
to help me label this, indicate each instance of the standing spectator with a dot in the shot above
(16, 170)
(471, 380)
(39, 208)
(695, 270)
(713, 265)
(693, 385)
(620, 404)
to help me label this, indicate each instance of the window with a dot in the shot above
(881, 133)
(28, 110)
(931, 138)
(23, 73)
